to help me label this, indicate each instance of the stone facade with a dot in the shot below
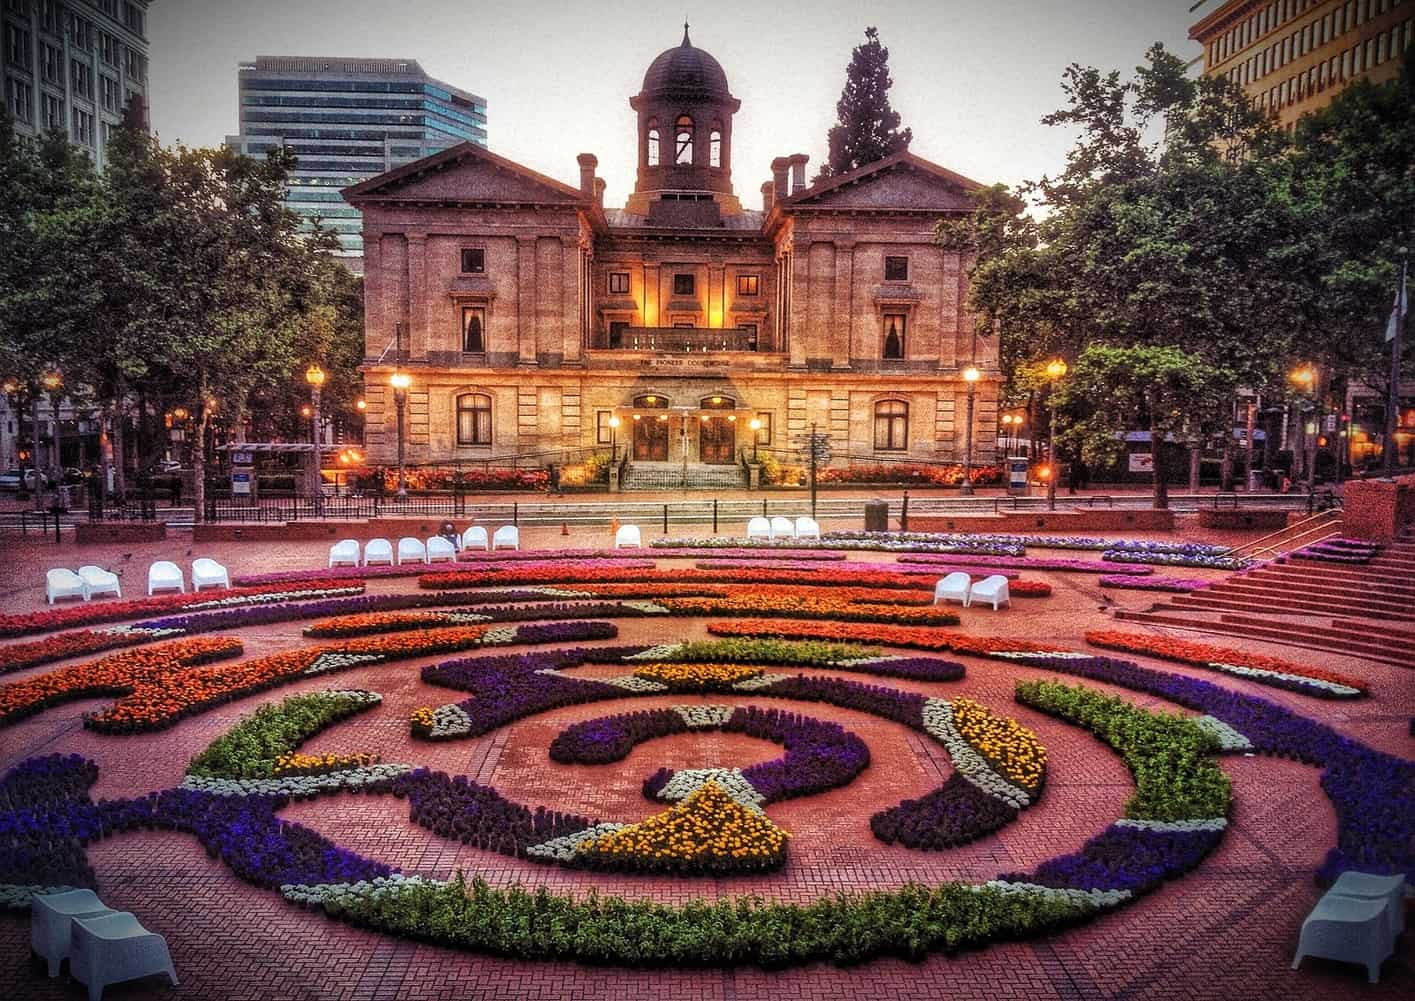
(683, 314)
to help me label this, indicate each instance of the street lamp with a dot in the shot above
(1307, 381)
(314, 375)
(756, 438)
(1056, 368)
(613, 439)
(400, 381)
(971, 375)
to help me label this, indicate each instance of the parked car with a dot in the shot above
(73, 476)
(10, 480)
(169, 466)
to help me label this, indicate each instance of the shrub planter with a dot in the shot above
(1242, 517)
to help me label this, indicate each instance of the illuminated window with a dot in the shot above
(653, 143)
(473, 419)
(715, 147)
(748, 285)
(894, 328)
(683, 140)
(619, 282)
(684, 285)
(891, 426)
(474, 329)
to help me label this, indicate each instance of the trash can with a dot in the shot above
(1255, 480)
(876, 516)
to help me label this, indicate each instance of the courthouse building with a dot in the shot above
(529, 314)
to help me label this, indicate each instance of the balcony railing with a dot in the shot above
(692, 340)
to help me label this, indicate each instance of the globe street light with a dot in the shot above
(1056, 368)
(1307, 381)
(613, 439)
(970, 376)
(314, 375)
(756, 438)
(400, 381)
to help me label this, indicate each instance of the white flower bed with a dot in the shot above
(562, 592)
(730, 780)
(1257, 672)
(1093, 898)
(1049, 654)
(333, 894)
(298, 786)
(464, 618)
(663, 651)
(450, 720)
(972, 766)
(1228, 738)
(236, 600)
(861, 661)
(139, 631)
(647, 607)
(1202, 824)
(339, 661)
(704, 717)
(499, 635)
(563, 848)
(759, 682)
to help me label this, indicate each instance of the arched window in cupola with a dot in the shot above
(652, 154)
(715, 145)
(683, 141)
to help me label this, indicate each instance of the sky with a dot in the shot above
(972, 79)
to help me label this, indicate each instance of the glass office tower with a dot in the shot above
(348, 119)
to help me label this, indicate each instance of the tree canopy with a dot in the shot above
(868, 127)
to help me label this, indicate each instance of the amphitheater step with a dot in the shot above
(1319, 597)
(1276, 632)
(1295, 606)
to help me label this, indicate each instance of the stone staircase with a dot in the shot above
(1366, 610)
(669, 476)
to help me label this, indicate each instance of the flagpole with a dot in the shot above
(1393, 399)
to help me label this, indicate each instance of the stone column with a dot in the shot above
(549, 314)
(417, 334)
(843, 323)
(572, 309)
(652, 316)
(526, 300)
(717, 293)
(798, 299)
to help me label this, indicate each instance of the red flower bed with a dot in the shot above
(1204, 654)
(860, 632)
(571, 574)
(903, 472)
(18, 656)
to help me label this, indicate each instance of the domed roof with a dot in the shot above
(685, 68)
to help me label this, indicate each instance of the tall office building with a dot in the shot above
(1293, 56)
(73, 65)
(347, 120)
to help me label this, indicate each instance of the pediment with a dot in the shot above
(903, 182)
(463, 174)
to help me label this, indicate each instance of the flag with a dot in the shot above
(1399, 307)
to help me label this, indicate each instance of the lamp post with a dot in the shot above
(1307, 380)
(613, 439)
(314, 375)
(756, 438)
(970, 376)
(400, 381)
(1056, 368)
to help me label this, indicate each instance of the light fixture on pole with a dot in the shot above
(1056, 368)
(1307, 380)
(971, 375)
(314, 375)
(756, 438)
(400, 381)
(613, 439)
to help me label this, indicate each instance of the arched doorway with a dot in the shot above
(717, 432)
(651, 429)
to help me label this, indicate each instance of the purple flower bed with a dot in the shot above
(819, 755)
(1352, 552)
(835, 572)
(945, 564)
(1373, 793)
(636, 561)
(1125, 858)
(890, 703)
(1176, 585)
(611, 738)
(955, 813)
(474, 814)
(1204, 561)
(676, 549)
(38, 800)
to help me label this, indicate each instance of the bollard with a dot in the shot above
(665, 519)
(564, 528)
(714, 516)
(516, 514)
(904, 513)
(763, 507)
(614, 527)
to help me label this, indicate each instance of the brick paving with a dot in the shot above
(1228, 930)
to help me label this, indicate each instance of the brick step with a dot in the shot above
(1282, 635)
(1386, 590)
(1403, 635)
(1359, 637)
(1320, 597)
(1315, 572)
(1295, 605)
(1391, 563)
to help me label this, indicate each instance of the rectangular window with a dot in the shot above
(603, 433)
(764, 432)
(83, 128)
(108, 48)
(135, 19)
(49, 16)
(683, 326)
(1346, 65)
(751, 329)
(81, 79)
(109, 90)
(748, 285)
(474, 329)
(18, 96)
(616, 333)
(896, 269)
(52, 111)
(473, 261)
(684, 285)
(891, 426)
(52, 63)
(618, 283)
(17, 48)
(893, 345)
(81, 33)
(474, 419)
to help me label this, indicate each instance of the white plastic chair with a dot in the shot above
(758, 528)
(1370, 886)
(100, 581)
(955, 587)
(208, 573)
(344, 553)
(411, 550)
(50, 917)
(164, 575)
(1349, 930)
(628, 537)
(112, 948)
(807, 528)
(506, 537)
(475, 538)
(378, 551)
(439, 548)
(782, 528)
(990, 589)
(62, 583)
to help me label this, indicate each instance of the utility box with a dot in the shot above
(876, 516)
(1017, 474)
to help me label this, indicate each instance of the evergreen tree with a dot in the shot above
(868, 128)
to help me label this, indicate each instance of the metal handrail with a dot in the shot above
(1251, 549)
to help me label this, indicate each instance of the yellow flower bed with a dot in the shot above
(319, 764)
(1010, 747)
(705, 677)
(708, 830)
(422, 717)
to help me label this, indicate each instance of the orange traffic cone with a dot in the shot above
(564, 528)
(614, 527)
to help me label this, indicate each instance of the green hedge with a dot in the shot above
(249, 749)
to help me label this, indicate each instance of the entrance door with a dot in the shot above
(650, 439)
(717, 441)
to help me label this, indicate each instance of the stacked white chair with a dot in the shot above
(209, 573)
(111, 948)
(439, 549)
(990, 589)
(782, 528)
(955, 587)
(164, 575)
(411, 550)
(63, 583)
(506, 537)
(100, 581)
(344, 553)
(628, 537)
(51, 914)
(758, 528)
(378, 551)
(808, 528)
(475, 538)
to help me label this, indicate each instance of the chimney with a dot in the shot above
(779, 168)
(768, 189)
(588, 162)
(798, 171)
(599, 187)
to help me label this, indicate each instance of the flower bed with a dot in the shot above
(1261, 668)
(1176, 559)
(773, 652)
(1350, 552)
(541, 559)
(943, 565)
(890, 542)
(899, 636)
(1172, 585)
(18, 656)
(569, 575)
(263, 744)
(910, 473)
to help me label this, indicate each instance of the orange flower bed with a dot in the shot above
(569, 575)
(825, 608)
(698, 677)
(18, 656)
(863, 632)
(1204, 654)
